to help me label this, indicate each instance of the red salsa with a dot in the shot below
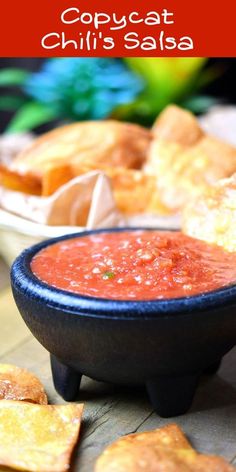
(135, 265)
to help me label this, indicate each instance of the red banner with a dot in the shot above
(133, 28)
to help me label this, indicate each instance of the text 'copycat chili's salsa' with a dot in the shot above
(135, 265)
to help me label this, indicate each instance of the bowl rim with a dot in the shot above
(24, 280)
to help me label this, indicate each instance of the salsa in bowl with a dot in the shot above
(135, 265)
(164, 337)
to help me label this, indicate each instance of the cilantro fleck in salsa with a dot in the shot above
(135, 265)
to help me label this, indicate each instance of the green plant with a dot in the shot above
(169, 80)
(72, 89)
(135, 89)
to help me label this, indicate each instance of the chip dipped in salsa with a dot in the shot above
(135, 265)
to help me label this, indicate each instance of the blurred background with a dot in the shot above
(37, 94)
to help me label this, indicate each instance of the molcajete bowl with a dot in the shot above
(165, 344)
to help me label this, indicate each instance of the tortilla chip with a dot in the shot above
(184, 159)
(135, 192)
(212, 217)
(54, 177)
(162, 450)
(175, 124)
(92, 144)
(20, 384)
(27, 183)
(38, 438)
(183, 173)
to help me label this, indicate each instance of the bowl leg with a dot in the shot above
(172, 396)
(66, 380)
(212, 369)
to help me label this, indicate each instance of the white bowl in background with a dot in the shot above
(17, 233)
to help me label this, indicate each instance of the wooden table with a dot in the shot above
(111, 412)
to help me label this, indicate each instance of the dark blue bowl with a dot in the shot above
(164, 344)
